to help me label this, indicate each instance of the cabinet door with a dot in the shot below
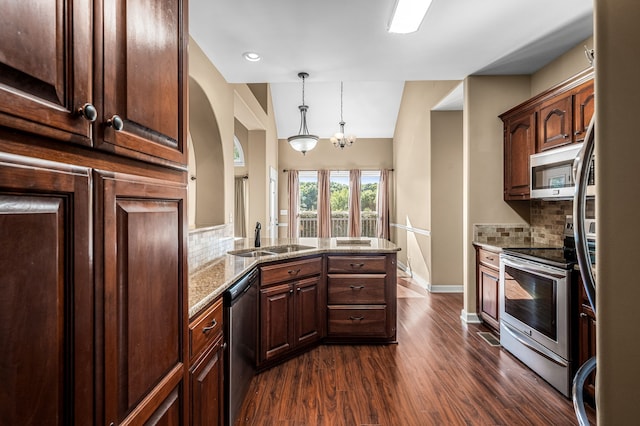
(518, 146)
(207, 389)
(587, 345)
(309, 318)
(45, 67)
(46, 307)
(555, 123)
(583, 108)
(144, 79)
(141, 234)
(489, 286)
(276, 321)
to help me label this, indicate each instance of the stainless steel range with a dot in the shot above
(537, 302)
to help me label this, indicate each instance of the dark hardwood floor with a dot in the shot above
(441, 372)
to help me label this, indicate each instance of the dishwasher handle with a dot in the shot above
(240, 287)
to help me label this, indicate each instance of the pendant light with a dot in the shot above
(340, 140)
(303, 141)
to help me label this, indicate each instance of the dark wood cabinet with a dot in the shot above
(361, 297)
(554, 123)
(45, 68)
(488, 287)
(143, 282)
(583, 109)
(586, 339)
(206, 375)
(519, 144)
(292, 308)
(46, 308)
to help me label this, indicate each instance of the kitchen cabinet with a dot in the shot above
(556, 117)
(488, 286)
(361, 297)
(109, 77)
(46, 308)
(94, 247)
(292, 308)
(583, 110)
(586, 340)
(519, 144)
(206, 376)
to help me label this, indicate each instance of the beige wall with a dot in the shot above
(446, 198)
(413, 181)
(364, 154)
(228, 103)
(617, 206)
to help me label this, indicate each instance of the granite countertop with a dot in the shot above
(213, 278)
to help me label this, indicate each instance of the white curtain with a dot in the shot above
(294, 204)
(324, 204)
(239, 225)
(354, 203)
(383, 205)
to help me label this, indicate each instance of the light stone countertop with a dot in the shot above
(212, 279)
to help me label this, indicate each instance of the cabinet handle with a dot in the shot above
(583, 315)
(88, 112)
(577, 132)
(356, 287)
(211, 327)
(490, 258)
(357, 265)
(291, 291)
(356, 318)
(298, 288)
(566, 136)
(293, 271)
(224, 346)
(115, 122)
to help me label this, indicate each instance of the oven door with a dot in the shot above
(534, 304)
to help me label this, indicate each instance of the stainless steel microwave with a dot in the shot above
(552, 175)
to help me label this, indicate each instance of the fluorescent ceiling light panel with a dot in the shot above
(408, 15)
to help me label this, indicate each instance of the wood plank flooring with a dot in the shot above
(440, 373)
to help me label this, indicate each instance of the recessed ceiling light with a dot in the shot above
(408, 15)
(251, 56)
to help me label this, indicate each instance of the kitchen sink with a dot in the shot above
(270, 251)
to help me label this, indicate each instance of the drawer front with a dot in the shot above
(357, 264)
(356, 289)
(368, 321)
(205, 329)
(282, 272)
(489, 258)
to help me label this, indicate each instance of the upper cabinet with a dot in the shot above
(557, 117)
(144, 57)
(48, 90)
(109, 78)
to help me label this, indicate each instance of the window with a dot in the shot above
(339, 183)
(308, 181)
(238, 153)
(368, 203)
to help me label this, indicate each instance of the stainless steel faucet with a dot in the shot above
(257, 241)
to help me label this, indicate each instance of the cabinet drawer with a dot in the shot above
(356, 289)
(356, 322)
(205, 329)
(489, 258)
(290, 270)
(357, 264)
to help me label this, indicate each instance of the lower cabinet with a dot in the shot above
(206, 375)
(488, 286)
(292, 313)
(586, 340)
(361, 298)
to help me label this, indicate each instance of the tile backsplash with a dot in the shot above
(206, 244)
(502, 233)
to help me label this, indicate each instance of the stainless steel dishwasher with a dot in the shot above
(240, 322)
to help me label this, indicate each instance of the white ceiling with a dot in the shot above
(346, 40)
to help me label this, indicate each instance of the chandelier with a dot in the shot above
(303, 141)
(340, 140)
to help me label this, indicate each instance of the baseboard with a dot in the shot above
(445, 288)
(470, 318)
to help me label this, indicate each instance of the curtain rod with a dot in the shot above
(335, 170)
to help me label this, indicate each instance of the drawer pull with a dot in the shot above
(211, 327)
(356, 318)
(356, 287)
(293, 271)
(357, 265)
(490, 258)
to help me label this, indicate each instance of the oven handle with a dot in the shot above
(533, 346)
(531, 268)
